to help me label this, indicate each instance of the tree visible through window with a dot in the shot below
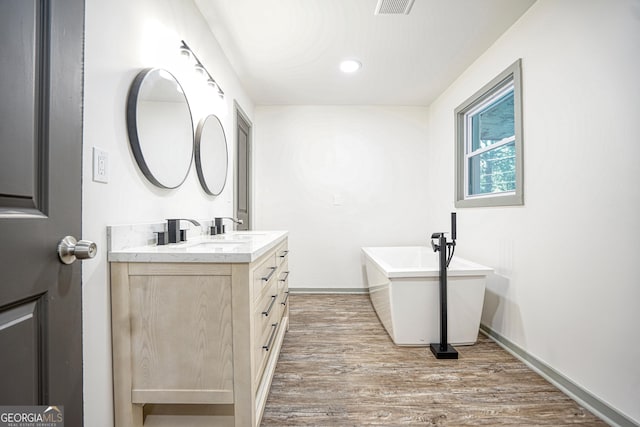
(489, 144)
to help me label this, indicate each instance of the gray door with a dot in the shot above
(41, 72)
(243, 171)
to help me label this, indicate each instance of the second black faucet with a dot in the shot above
(219, 228)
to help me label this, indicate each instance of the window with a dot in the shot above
(489, 144)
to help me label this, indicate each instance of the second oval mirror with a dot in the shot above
(211, 155)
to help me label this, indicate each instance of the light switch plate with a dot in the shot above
(100, 165)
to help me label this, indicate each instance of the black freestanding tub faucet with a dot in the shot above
(444, 350)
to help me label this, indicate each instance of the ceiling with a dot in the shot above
(287, 52)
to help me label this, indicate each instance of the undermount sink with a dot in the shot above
(216, 244)
(242, 236)
(237, 236)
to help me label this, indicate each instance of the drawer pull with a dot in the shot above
(268, 310)
(284, 254)
(268, 276)
(271, 337)
(284, 302)
(286, 276)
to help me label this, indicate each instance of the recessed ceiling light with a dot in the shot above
(350, 65)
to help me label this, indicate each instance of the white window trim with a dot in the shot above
(507, 80)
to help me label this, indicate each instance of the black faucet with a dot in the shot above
(219, 228)
(173, 229)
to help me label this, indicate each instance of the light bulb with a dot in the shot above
(200, 69)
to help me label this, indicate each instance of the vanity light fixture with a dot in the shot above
(188, 54)
(350, 65)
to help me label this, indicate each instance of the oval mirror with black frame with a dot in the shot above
(211, 155)
(160, 127)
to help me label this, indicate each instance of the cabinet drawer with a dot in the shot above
(267, 320)
(282, 253)
(265, 311)
(264, 349)
(265, 307)
(283, 287)
(263, 275)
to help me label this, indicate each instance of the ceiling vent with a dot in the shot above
(393, 7)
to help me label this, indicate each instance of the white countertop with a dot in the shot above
(231, 247)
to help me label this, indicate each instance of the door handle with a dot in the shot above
(69, 249)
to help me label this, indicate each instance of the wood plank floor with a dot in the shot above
(338, 367)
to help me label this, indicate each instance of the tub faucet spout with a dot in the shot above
(435, 237)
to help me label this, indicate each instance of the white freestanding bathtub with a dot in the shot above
(404, 289)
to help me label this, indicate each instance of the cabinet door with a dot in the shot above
(181, 337)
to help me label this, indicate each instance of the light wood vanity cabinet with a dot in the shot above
(196, 344)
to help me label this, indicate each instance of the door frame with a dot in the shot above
(239, 112)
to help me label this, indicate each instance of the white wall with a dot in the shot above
(123, 37)
(564, 290)
(339, 178)
(390, 171)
